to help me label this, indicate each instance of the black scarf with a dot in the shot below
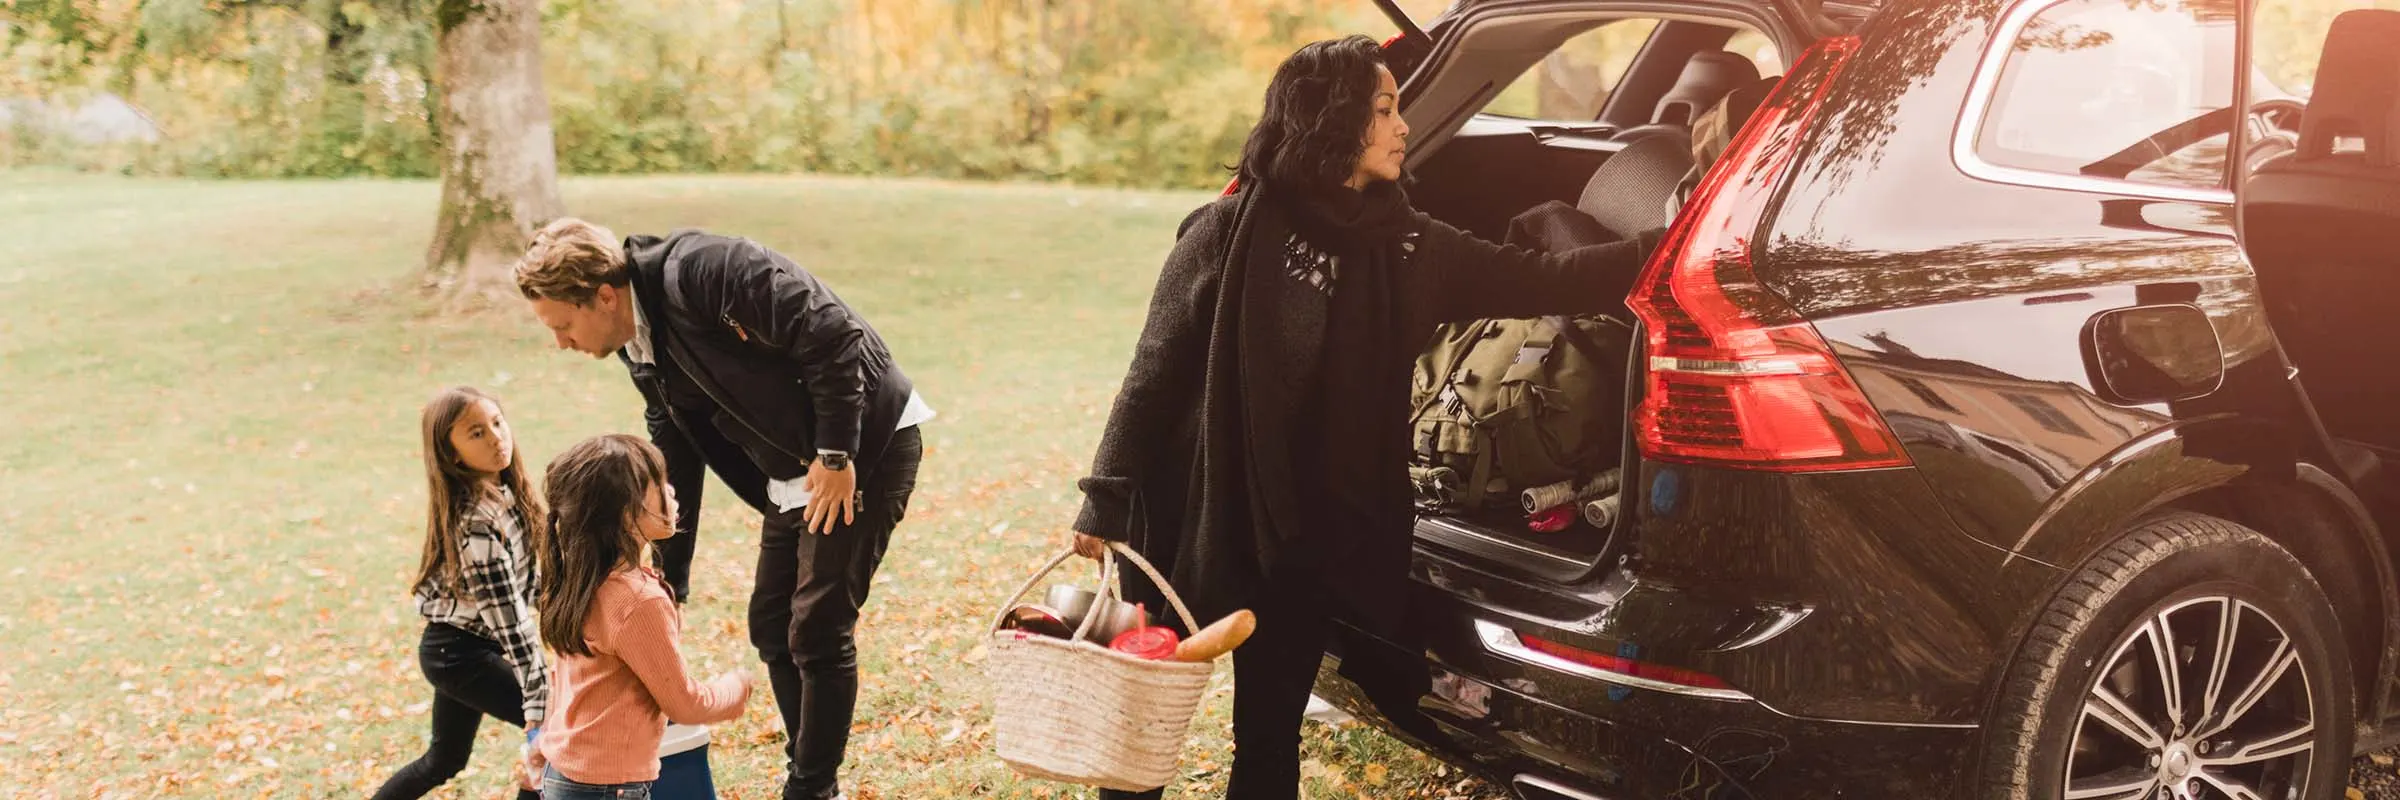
(1353, 223)
(1326, 385)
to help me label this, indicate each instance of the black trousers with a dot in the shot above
(1272, 675)
(471, 680)
(805, 607)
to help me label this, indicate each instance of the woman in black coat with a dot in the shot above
(1258, 451)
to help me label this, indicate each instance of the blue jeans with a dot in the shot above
(557, 787)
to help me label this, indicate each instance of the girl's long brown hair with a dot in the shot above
(597, 492)
(451, 488)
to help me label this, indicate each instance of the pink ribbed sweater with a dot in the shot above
(608, 710)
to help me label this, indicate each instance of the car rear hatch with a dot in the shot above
(1739, 416)
(1685, 404)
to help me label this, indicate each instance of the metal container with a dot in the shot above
(1073, 603)
(1040, 620)
(1115, 617)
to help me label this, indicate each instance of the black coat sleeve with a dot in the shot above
(1170, 362)
(776, 304)
(1477, 279)
(687, 473)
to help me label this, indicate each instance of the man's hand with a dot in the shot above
(1089, 546)
(831, 494)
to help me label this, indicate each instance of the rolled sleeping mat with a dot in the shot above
(1601, 513)
(1540, 498)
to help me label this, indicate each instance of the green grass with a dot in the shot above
(210, 500)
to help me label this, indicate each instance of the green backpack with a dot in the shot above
(1505, 405)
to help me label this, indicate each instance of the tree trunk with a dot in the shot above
(499, 166)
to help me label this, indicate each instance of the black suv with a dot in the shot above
(2006, 414)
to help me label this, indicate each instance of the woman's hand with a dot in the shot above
(1088, 546)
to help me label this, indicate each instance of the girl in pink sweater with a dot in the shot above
(610, 620)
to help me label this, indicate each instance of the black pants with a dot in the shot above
(1273, 673)
(471, 679)
(805, 607)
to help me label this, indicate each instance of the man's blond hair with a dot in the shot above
(569, 261)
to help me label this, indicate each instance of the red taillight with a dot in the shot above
(1736, 377)
(1623, 666)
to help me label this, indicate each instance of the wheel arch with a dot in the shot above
(2247, 471)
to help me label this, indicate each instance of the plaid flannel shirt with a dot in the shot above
(496, 571)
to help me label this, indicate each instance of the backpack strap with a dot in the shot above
(1444, 392)
(1479, 478)
(1539, 341)
(1475, 331)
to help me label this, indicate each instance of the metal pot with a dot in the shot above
(1037, 619)
(1115, 617)
(1075, 602)
(1071, 601)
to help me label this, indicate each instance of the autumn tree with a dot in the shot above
(499, 165)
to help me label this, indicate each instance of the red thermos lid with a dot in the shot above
(1155, 643)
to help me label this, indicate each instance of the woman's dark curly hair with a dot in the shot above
(1315, 123)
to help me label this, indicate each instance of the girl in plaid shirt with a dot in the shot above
(482, 649)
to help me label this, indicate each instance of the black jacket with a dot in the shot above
(757, 362)
(1196, 465)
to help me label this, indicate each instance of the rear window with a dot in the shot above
(1573, 83)
(2116, 89)
(1759, 49)
(2286, 39)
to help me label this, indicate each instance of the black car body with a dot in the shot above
(1963, 464)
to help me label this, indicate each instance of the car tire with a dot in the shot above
(2083, 713)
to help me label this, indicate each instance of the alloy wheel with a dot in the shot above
(2205, 700)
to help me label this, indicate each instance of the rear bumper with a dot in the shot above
(1548, 733)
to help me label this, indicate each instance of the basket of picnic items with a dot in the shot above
(1089, 690)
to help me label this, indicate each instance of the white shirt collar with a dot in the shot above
(638, 348)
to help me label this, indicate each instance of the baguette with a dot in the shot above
(1218, 638)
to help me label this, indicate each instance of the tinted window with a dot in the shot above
(1573, 82)
(1759, 49)
(2125, 89)
(2286, 39)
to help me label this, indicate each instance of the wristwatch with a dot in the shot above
(835, 460)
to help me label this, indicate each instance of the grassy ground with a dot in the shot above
(210, 499)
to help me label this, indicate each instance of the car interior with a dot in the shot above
(1478, 169)
(2321, 221)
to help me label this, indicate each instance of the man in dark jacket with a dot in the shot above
(753, 368)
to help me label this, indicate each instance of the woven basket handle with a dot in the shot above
(1108, 587)
(1106, 572)
(1155, 580)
